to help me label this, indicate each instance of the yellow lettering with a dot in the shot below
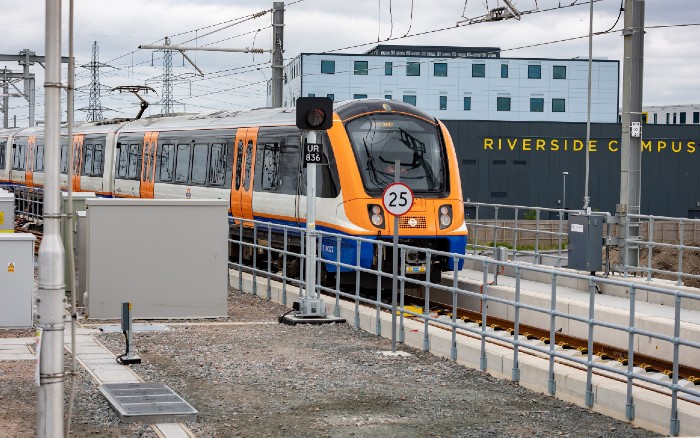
(610, 146)
(488, 143)
(526, 144)
(500, 144)
(660, 145)
(512, 144)
(646, 146)
(592, 145)
(540, 144)
(566, 144)
(555, 144)
(578, 145)
(691, 147)
(673, 146)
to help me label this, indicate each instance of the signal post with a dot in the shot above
(314, 115)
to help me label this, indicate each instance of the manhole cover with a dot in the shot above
(148, 403)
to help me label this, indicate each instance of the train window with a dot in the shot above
(98, 160)
(217, 164)
(18, 157)
(167, 160)
(199, 164)
(239, 164)
(134, 166)
(248, 164)
(64, 158)
(270, 166)
(182, 163)
(39, 161)
(87, 160)
(122, 160)
(3, 147)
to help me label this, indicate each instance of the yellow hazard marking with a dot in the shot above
(2, 217)
(11, 267)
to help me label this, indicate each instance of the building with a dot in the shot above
(672, 114)
(460, 83)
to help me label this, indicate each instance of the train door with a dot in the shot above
(77, 161)
(29, 169)
(148, 165)
(243, 173)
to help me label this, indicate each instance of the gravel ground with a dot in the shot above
(309, 381)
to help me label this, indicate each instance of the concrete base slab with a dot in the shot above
(396, 354)
(313, 320)
(136, 328)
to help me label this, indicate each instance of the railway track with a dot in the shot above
(604, 351)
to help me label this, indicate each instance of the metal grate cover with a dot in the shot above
(412, 222)
(148, 403)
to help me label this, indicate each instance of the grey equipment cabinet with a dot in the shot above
(16, 279)
(586, 242)
(7, 211)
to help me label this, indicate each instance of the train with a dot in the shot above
(253, 159)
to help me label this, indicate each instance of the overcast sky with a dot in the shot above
(237, 81)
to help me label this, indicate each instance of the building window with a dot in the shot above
(413, 69)
(534, 71)
(312, 94)
(467, 103)
(674, 118)
(443, 102)
(504, 70)
(330, 96)
(667, 118)
(359, 96)
(682, 115)
(559, 72)
(503, 104)
(440, 69)
(696, 117)
(558, 105)
(478, 70)
(388, 68)
(361, 68)
(536, 104)
(407, 98)
(387, 96)
(328, 67)
(656, 119)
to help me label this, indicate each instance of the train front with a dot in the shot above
(371, 136)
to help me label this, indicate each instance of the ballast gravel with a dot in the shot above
(258, 380)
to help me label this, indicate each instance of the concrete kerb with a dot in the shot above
(652, 409)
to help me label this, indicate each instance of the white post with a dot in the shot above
(51, 295)
(310, 292)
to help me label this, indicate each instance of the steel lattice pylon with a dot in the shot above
(166, 106)
(94, 109)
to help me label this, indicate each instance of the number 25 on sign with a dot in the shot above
(397, 199)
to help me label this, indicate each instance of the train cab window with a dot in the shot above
(39, 159)
(239, 164)
(199, 164)
(217, 165)
(64, 158)
(182, 163)
(87, 159)
(270, 166)
(167, 161)
(134, 166)
(248, 164)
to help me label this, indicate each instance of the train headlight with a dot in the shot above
(445, 216)
(376, 215)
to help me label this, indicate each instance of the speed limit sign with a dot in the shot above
(397, 199)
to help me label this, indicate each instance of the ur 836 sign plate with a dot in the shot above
(397, 199)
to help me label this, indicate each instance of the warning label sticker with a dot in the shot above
(2, 217)
(10, 267)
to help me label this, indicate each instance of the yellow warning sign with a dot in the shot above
(11, 267)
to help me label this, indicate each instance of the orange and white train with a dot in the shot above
(253, 159)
